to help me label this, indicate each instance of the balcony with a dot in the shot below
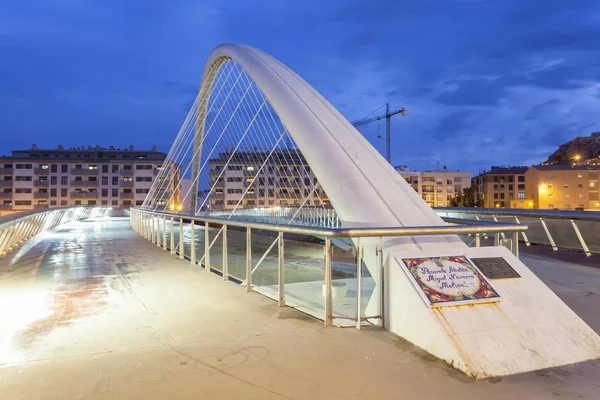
(84, 195)
(41, 195)
(6, 207)
(124, 195)
(81, 171)
(40, 206)
(6, 184)
(41, 171)
(40, 183)
(6, 195)
(6, 171)
(84, 183)
(126, 172)
(127, 184)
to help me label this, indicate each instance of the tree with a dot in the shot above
(467, 198)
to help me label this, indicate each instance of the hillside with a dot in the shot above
(586, 147)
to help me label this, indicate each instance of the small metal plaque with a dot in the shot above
(495, 268)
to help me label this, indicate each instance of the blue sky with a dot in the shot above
(485, 82)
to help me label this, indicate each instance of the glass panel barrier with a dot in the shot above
(265, 251)
(216, 249)
(236, 252)
(304, 273)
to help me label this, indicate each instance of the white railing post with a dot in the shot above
(172, 235)
(225, 261)
(206, 247)
(580, 237)
(522, 233)
(281, 273)
(328, 300)
(358, 283)
(181, 243)
(248, 259)
(164, 245)
(192, 243)
(548, 234)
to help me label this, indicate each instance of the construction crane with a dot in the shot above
(388, 115)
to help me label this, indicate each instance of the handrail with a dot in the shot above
(520, 212)
(474, 226)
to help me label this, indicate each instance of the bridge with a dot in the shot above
(351, 244)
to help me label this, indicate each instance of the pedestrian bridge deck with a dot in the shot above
(92, 310)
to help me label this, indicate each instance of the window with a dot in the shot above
(550, 196)
(64, 168)
(23, 166)
(23, 178)
(64, 180)
(271, 181)
(510, 187)
(235, 168)
(52, 202)
(115, 169)
(144, 167)
(521, 187)
(91, 202)
(115, 180)
(22, 202)
(234, 191)
(566, 196)
(105, 180)
(229, 179)
(592, 184)
(54, 168)
(105, 169)
(114, 192)
(581, 195)
(449, 181)
(92, 167)
(271, 192)
(580, 175)
(63, 202)
(521, 195)
(549, 186)
(63, 192)
(580, 186)
(249, 168)
(549, 176)
(127, 202)
(566, 176)
(495, 195)
(53, 180)
(495, 188)
(104, 192)
(261, 192)
(22, 190)
(148, 190)
(114, 202)
(566, 186)
(53, 192)
(105, 202)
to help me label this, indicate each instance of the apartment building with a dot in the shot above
(245, 180)
(564, 187)
(42, 178)
(437, 188)
(503, 187)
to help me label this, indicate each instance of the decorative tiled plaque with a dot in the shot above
(449, 281)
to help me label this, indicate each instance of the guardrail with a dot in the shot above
(560, 229)
(252, 253)
(17, 228)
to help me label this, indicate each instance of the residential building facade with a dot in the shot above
(262, 179)
(437, 188)
(563, 187)
(44, 178)
(502, 187)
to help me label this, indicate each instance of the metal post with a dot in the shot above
(548, 234)
(181, 243)
(158, 238)
(172, 234)
(496, 239)
(522, 233)
(153, 229)
(192, 243)
(281, 273)
(501, 233)
(164, 245)
(328, 301)
(387, 133)
(580, 237)
(477, 240)
(516, 244)
(206, 247)
(248, 259)
(225, 264)
(358, 283)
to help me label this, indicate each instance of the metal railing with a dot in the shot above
(293, 264)
(16, 228)
(559, 229)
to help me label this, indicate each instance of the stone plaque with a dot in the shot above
(495, 268)
(449, 280)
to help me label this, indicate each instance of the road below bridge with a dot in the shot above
(94, 311)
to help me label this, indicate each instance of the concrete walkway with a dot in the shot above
(93, 311)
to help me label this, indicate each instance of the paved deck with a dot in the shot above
(93, 311)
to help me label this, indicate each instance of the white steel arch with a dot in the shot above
(363, 188)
